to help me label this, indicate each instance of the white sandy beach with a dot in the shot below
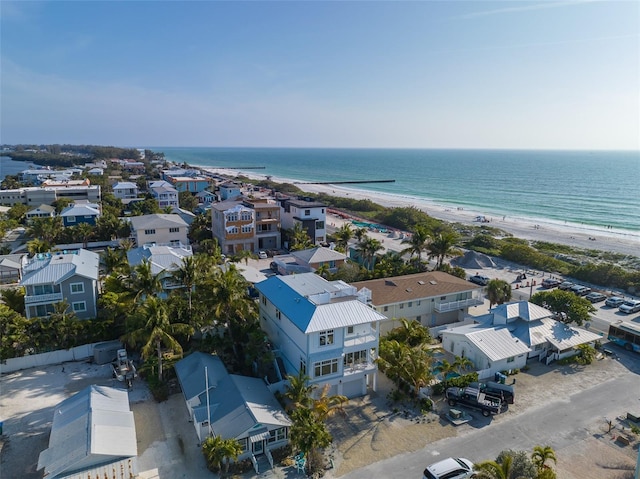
(612, 240)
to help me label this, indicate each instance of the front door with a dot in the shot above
(258, 447)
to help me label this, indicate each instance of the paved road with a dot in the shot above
(559, 424)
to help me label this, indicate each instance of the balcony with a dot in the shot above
(43, 298)
(355, 368)
(453, 305)
(359, 341)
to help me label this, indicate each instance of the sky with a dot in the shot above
(385, 74)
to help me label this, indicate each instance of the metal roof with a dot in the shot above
(162, 258)
(497, 343)
(50, 268)
(318, 255)
(81, 210)
(124, 185)
(156, 221)
(560, 335)
(190, 372)
(520, 310)
(93, 427)
(290, 294)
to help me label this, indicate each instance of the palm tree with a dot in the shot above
(299, 238)
(418, 242)
(442, 246)
(326, 406)
(343, 235)
(323, 270)
(187, 275)
(368, 248)
(14, 299)
(299, 391)
(391, 358)
(411, 333)
(113, 259)
(245, 255)
(157, 331)
(416, 368)
(84, 231)
(542, 454)
(495, 470)
(218, 450)
(498, 292)
(47, 229)
(144, 282)
(308, 433)
(37, 245)
(360, 233)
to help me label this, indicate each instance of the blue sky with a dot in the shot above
(419, 74)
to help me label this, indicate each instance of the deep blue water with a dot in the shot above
(10, 167)
(582, 187)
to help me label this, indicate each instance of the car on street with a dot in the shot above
(479, 279)
(630, 306)
(549, 283)
(595, 297)
(614, 302)
(450, 468)
(262, 255)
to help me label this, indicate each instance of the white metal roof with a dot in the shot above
(156, 221)
(52, 268)
(497, 343)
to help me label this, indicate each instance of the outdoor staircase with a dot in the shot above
(263, 464)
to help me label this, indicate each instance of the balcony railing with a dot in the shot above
(359, 340)
(43, 298)
(358, 368)
(453, 305)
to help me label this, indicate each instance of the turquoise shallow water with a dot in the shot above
(596, 188)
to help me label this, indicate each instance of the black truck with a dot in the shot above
(475, 399)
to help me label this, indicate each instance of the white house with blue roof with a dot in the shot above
(323, 329)
(50, 278)
(236, 407)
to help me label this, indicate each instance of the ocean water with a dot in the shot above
(599, 188)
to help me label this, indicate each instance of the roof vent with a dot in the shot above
(408, 290)
(420, 282)
(433, 282)
(388, 282)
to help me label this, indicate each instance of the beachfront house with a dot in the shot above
(267, 226)
(229, 190)
(312, 215)
(192, 184)
(435, 299)
(512, 333)
(233, 224)
(50, 278)
(159, 229)
(93, 434)
(322, 329)
(42, 211)
(232, 407)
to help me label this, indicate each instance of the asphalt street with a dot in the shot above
(559, 424)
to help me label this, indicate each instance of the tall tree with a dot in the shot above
(157, 331)
(498, 292)
(144, 281)
(84, 232)
(299, 238)
(443, 245)
(576, 308)
(326, 405)
(541, 455)
(218, 451)
(308, 434)
(14, 299)
(418, 243)
(343, 235)
(187, 275)
(37, 245)
(298, 391)
(368, 248)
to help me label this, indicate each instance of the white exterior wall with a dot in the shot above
(162, 236)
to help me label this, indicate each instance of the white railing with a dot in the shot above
(358, 368)
(359, 340)
(255, 463)
(267, 453)
(453, 305)
(43, 298)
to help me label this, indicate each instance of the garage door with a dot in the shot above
(352, 388)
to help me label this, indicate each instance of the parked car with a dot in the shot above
(580, 290)
(614, 302)
(262, 255)
(565, 285)
(549, 283)
(479, 279)
(595, 297)
(630, 306)
(451, 468)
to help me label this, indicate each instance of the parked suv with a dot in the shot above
(595, 297)
(451, 468)
(580, 290)
(565, 285)
(630, 306)
(614, 302)
(549, 283)
(479, 279)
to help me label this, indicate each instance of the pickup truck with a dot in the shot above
(475, 399)
(504, 392)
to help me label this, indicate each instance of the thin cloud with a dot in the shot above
(524, 8)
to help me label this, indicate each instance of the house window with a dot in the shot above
(174, 230)
(349, 330)
(77, 288)
(326, 337)
(357, 357)
(386, 308)
(303, 366)
(511, 359)
(278, 315)
(264, 300)
(276, 435)
(246, 229)
(246, 216)
(419, 319)
(79, 307)
(71, 219)
(243, 443)
(320, 225)
(442, 298)
(401, 305)
(149, 232)
(233, 217)
(233, 230)
(418, 303)
(410, 304)
(307, 212)
(322, 210)
(325, 368)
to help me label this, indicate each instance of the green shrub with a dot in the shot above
(459, 382)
